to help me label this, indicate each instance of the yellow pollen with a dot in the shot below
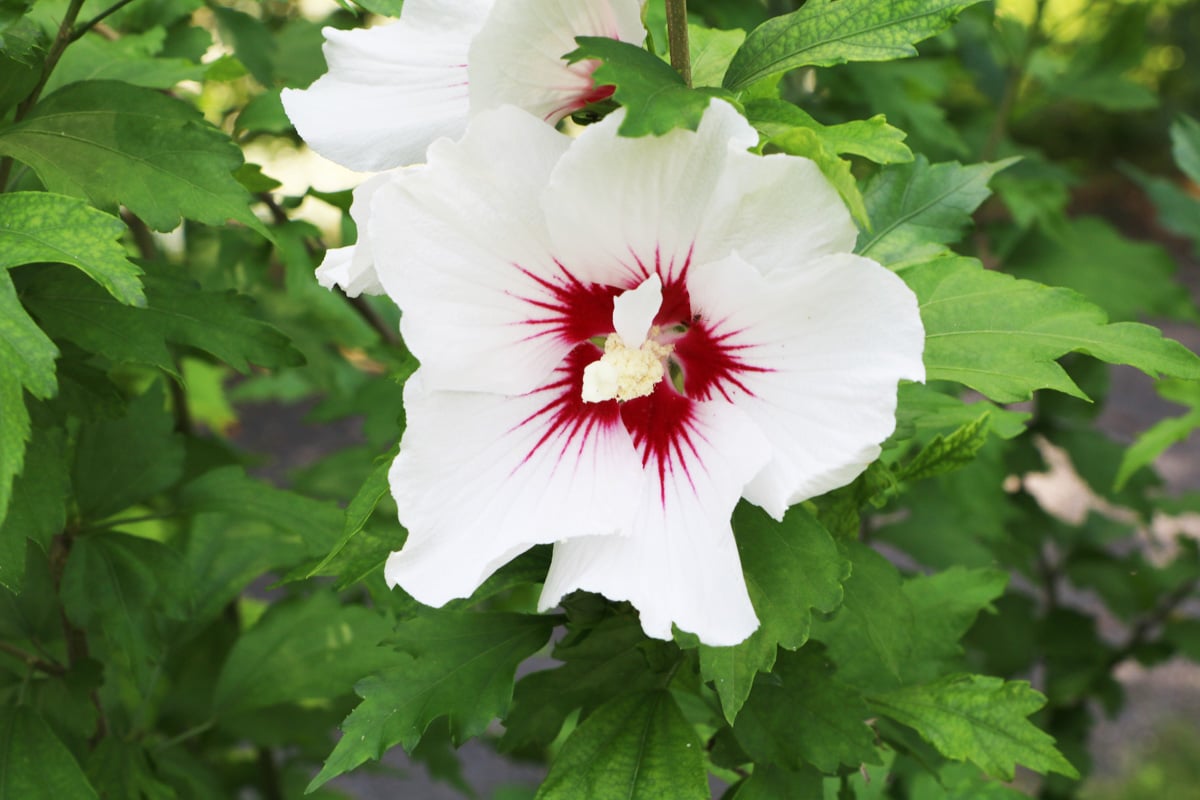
(624, 373)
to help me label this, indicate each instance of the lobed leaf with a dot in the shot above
(827, 32)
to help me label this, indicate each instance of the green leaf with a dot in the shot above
(922, 408)
(655, 98)
(633, 748)
(306, 649)
(1185, 146)
(178, 312)
(133, 59)
(38, 509)
(871, 637)
(918, 209)
(1178, 211)
(960, 782)
(827, 32)
(34, 764)
(769, 782)
(945, 606)
(1128, 279)
(948, 453)
(1001, 336)
(980, 719)
(122, 769)
(26, 364)
(40, 226)
(362, 506)
(458, 664)
(252, 42)
(114, 143)
(801, 715)
(1154, 441)
(791, 567)
(712, 49)
(600, 662)
(873, 138)
(119, 589)
(121, 462)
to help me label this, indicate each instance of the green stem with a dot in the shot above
(31, 660)
(79, 32)
(61, 40)
(190, 733)
(677, 39)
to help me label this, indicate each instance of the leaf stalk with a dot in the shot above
(677, 39)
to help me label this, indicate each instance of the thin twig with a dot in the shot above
(33, 661)
(76, 638)
(677, 39)
(80, 31)
(1012, 86)
(1142, 629)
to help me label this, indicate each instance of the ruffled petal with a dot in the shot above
(352, 268)
(517, 58)
(680, 565)
(461, 247)
(812, 355)
(390, 90)
(620, 208)
(481, 478)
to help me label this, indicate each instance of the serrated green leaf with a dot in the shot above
(1001, 336)
(119, 589)
(633, 748)
(1154, 441)
(945, 606)
(807, 142)
(26, 364)
(1185, 146)
(40, 226)
(114, 143)
(921, 408)
(178, 312)
(980, 719)
(362, 506)
(600, 663)
(1129, 280)
(917, 209)
(948, 453)
(871, 636)
(791, 567)
(801, 715)
(655, 98)
(458, 664)
(34, 764)
(121, 462)
(827, 32)
(873, 138)
(306, 649)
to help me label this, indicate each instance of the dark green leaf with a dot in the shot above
(121, 462)
(26, 364)
(801, 715)
(769, 782)
(40, 226)
(252, 42)
(458, 664)
(120, 769)
(362, 506)
(791, 567)
(1001, 336)
(655, 98)
(34, 764)
(978, 718)
(827, 32)
(1154, 441)
(39, 504)
(114, 143)
(633, 748)
(917, 209)
(179, 312)
(306, 649)
(945, 606)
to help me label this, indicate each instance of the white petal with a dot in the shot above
(680, 566)
(353, 268)
(517, 58)
(634, 311)
(390, 90)
(824, 346)
(481, 478)
(460, 245)
(621, 208)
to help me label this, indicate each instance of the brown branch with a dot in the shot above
(76, 638)
(48, 667)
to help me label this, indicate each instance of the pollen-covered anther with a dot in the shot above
(623, 372)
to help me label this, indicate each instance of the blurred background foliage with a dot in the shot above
(1095, 97)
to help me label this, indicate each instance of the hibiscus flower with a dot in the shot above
(392, 90)
(619, 338)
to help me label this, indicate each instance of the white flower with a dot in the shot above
(618, 339)
(392, 90)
